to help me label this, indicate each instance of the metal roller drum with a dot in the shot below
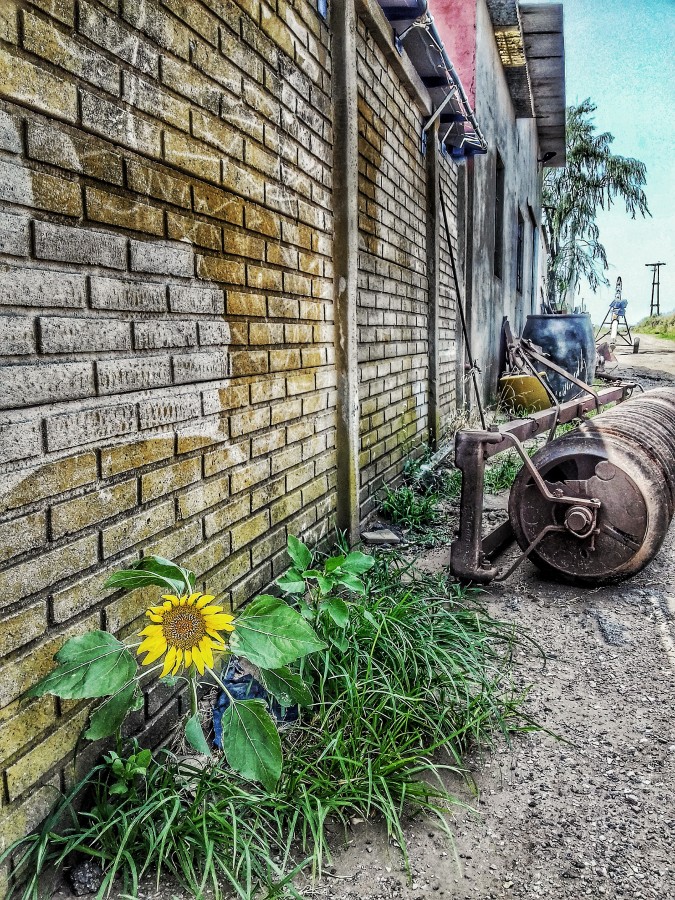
(612, 482)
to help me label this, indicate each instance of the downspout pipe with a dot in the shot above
(427, 21)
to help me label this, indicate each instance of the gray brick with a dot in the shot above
(89, 426)
(119, 125)
(17, 335)
(20, 439)
(14, 235)
(78, 245)
(44, 383)
(10, 133)
(106, 30)
(111, 293)
(115, 376)
(66, 335)
(155, 335)
(158, 103)
(195, 300)
(162, 259)
(214, 333)
(199, 367)
(166, 410)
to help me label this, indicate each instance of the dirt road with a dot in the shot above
(592, 815)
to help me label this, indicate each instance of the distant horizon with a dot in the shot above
(630, 79)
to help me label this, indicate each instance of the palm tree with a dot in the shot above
(593, 179)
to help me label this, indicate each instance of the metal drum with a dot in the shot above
(568, 341)
(621, 466)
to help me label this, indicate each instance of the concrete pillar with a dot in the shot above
(345, 261)
(433, 281)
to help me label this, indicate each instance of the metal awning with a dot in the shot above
(416, 33)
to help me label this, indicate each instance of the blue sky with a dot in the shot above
(620, 54)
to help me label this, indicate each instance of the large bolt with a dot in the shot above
(578, 519)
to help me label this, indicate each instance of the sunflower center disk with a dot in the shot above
(183, 627)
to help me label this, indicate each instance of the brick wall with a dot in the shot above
(167, 378)
(392, 312)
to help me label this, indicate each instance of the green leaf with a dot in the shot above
(310, 573)
(119, 788)
(154, 570)
(337, 610)
(95, 664)
(333, 563)
(291, 582)
(251, 742)
(288, 687)
(358, 563)
(195, 736)
(351, 582)
(270, 634)
(301, 555)
(325, 584)
(144, 758)
(110, 715)
(339, 641)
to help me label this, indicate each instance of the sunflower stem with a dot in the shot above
(218, 681)
(193, 691)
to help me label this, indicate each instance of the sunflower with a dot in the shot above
(187, 630)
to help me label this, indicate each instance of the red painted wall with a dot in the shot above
(456, 23)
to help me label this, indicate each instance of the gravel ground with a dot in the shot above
(589, 813)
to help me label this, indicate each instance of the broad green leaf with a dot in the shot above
(95, 664)
(339, 641)
(291, 582)
(270, 634)
(333, 563)
(119, 788)
(143, 758)
(358, 563)
(288, 687)
(325, 584)
(251, 742)
(351, 582)
(110, 715)
(310, 573)
(337, 610)
(154, 570)
(195, 736)
(301, 555)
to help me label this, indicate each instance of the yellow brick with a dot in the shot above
(285, 507)
(158, 183)
(271, 490)
(235, 567)
(36, 574)
(249, 530)
(30, 768)
(74, 515)
(268, 546)
(178, 541)
(249, 475)
(299, 476)
(299, 384)
(265, 333)
(265, 443)
(183, 228)
(129, 607)
(314, 490)
(22, 534)
(20, 80)
(218, 204)
(239, 243)
(22, 723)
(204, 495)
(46, 480)
(230, 512)
(56, 194)
(248, 421)
(240, 304)
(191, 155)
(22, 627)
(86, 592)
(19, 819)
(137, 528)
(170, 478)
(264, 279)
(8, 32)
(18, 675)
(132, 456)
(225, 458)
(263, 221)
(214, 268)
(114, 209)
(207, 556)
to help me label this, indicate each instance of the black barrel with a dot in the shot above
(569, 342)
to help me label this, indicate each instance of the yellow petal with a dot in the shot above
(172, 599)
(205, 650)
(188, 659)
(216, 638)
(183, 600)
(151, 629)
(212, 610)
(192, 598)
(204, 600)
(198, 660)
(218, 622)
(169, 661)
(179, 660)
(155, 610)
(152, 644)
(153, 655)
(154, 618)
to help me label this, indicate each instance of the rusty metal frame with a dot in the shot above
(471, 555)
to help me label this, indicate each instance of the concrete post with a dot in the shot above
(433, 281)
(345, 261)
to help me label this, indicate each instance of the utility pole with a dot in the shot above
(655, 309)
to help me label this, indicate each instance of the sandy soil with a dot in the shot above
(591, 814)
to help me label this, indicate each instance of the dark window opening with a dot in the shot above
(322, 9)
(499, 218)
(520, 252)
(534, 263)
